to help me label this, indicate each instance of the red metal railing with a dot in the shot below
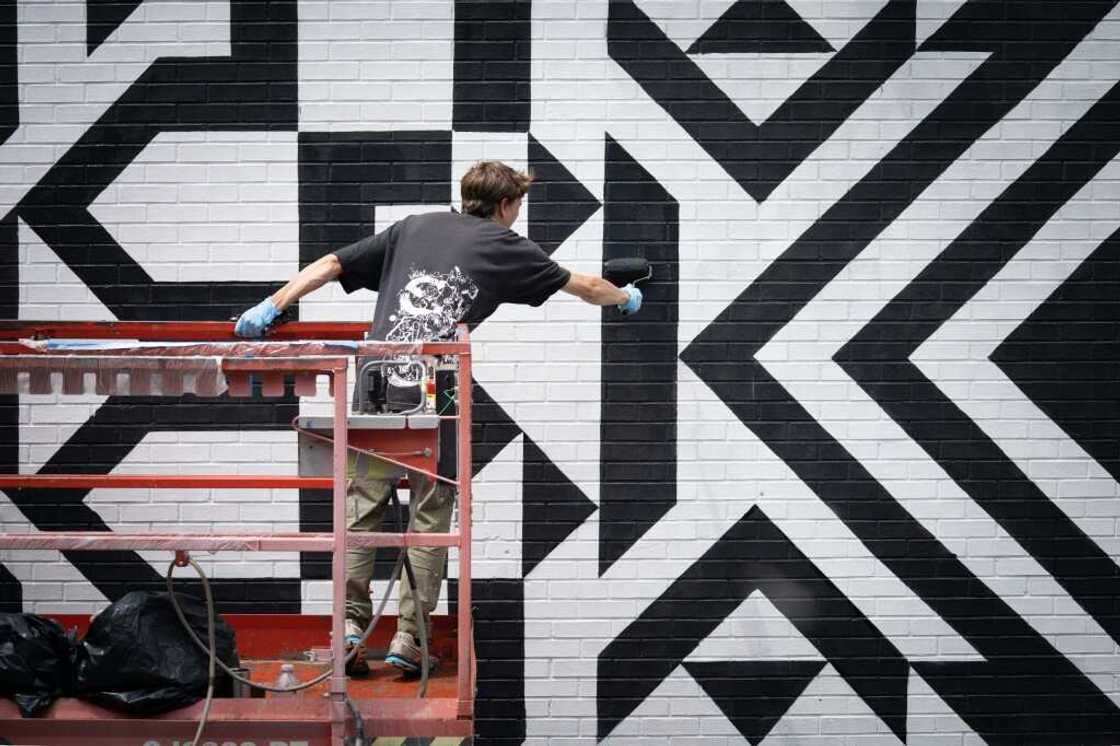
(239, 719)
(174, 331)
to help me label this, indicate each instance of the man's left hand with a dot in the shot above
(255, 322)
(633, 301)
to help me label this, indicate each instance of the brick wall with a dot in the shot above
(851, 475)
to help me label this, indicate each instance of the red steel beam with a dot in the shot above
(166, 481)
(107, 541)
(72, 721)
(175, 331)
(364, 539)
(466, 664)
(161, 481)
(205, 331)
(301, 542)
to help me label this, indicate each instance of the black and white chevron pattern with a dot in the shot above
(855, 465)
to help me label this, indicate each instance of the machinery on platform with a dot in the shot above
(205, 359)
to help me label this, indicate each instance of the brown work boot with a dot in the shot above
(357, 666)
(405, 654)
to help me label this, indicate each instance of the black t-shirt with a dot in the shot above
(434, 270)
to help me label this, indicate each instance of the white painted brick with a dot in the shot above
(43, 592)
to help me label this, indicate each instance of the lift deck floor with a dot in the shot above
(386, 697)
(383, 680)
(265, 642)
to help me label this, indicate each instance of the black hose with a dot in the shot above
(210, 649)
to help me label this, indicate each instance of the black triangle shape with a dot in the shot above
(11, 592)
(551, 506)
(559, 204)
(103, 17)
(491, 429)
(1064, 357)
(9, 71)
(767, 26)
(754, 695)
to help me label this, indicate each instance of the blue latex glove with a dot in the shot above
(633, 303)
(255, 322)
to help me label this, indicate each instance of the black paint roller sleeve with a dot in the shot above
(626, 270)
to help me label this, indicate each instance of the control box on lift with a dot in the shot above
(394, 415)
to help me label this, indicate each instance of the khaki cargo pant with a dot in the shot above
(368, 487)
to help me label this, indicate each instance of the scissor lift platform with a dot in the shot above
(320, 716)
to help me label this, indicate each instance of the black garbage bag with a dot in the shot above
(137, 658)
(35, 660)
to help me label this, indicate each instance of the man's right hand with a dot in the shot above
(633, 300)
(255, 322)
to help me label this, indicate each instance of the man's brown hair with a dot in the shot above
(487, 183)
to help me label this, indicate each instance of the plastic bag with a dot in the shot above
(35, 659)
(137, 658)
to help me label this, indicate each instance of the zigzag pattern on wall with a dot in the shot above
(1017, 658)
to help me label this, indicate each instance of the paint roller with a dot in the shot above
(626, 270)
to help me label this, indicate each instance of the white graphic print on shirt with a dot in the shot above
(428, 307)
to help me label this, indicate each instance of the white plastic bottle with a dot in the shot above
(287, 679)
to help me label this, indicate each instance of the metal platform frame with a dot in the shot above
(286, 721)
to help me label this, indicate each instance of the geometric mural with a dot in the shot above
(857, 459)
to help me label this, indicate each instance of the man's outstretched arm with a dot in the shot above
(599, 292)
(257, 319)
(312, 277)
